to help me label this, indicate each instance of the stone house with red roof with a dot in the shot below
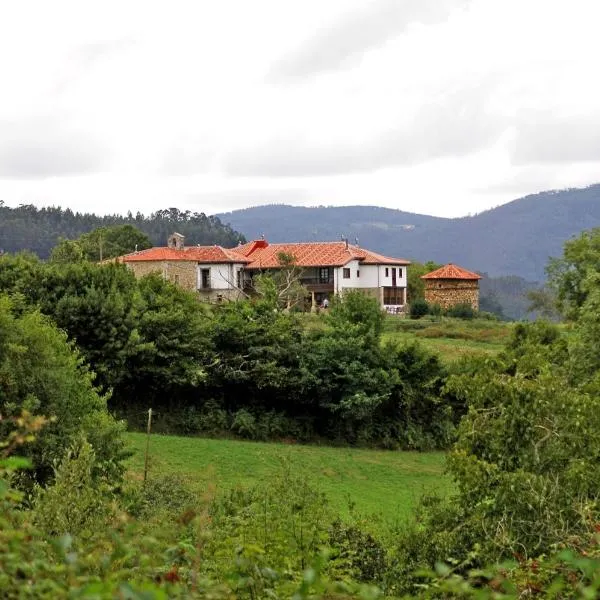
(327, 269)
(451, 285)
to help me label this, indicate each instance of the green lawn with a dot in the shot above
(382, 484)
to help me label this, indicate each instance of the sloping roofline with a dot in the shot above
(451, 271)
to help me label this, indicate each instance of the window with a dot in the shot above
(346, 273)
(324, 275)
(387, 272)
(393, 296)
(205, 279)
(357, 273)
(239, 279)
(399, 272)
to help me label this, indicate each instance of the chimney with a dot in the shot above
(176, 241)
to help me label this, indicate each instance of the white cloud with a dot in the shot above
(443, 107)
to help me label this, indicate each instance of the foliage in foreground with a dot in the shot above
(40, 373)
(80, 540)
(162, 541)
(526, 458)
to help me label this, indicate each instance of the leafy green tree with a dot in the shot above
(99, 307)
(359, 311)
(567, 275)
(175, 347)
(415, 287)
(110, 242)
(257, 352)
(67, 251)
(41, 373)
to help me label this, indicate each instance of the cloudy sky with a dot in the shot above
(444, 107)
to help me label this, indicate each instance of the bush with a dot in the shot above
(75, 503)
(436, 310)
(419, 308)
(42, 373)
(461, 311)
(356, 553)
(244, 424)
(168, 494)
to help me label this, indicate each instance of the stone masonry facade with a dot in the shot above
(183, 274)
(450, 292)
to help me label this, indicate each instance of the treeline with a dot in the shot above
(40, 229)
(245, 369)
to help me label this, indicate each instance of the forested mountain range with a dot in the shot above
(514, 239)
(39, 229)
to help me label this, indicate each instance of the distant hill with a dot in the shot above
(514, 239)
(39, 229)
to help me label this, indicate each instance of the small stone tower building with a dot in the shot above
(451, 285)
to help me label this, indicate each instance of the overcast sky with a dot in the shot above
(444, 107)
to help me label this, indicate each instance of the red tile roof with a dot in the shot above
(259, 254)
(248, 248)
(201, 254)
(451, 271)
(317, 254)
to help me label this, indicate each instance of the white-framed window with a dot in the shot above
(346, 273)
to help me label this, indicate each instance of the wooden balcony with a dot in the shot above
(315, 284)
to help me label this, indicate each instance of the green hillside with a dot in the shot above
(514, 239)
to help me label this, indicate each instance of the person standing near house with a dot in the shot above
(326, 303)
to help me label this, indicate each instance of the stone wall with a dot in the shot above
(181, 273)
(450, 292)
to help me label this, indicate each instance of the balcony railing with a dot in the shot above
(316, 281)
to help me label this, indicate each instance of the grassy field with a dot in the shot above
(452, 338)
(384, 485)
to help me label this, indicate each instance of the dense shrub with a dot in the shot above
(419, 308)
(76, 503)
(41, 373)
(461, 311)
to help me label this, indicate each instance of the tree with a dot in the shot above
(282, 287)
(41, 373)
(109, 242)
(567, 275)
(175, 347)
(415, 286)
(543, 301)
(67, 251)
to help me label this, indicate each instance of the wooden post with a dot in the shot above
(147, 444)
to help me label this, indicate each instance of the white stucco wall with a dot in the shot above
(222, 276)
(371, 276)
(353, 282)
(387, 281)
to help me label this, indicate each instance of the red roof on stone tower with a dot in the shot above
(451, 271)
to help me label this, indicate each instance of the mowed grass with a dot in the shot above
(382, 485)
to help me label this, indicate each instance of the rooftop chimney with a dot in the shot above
(175, 241)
